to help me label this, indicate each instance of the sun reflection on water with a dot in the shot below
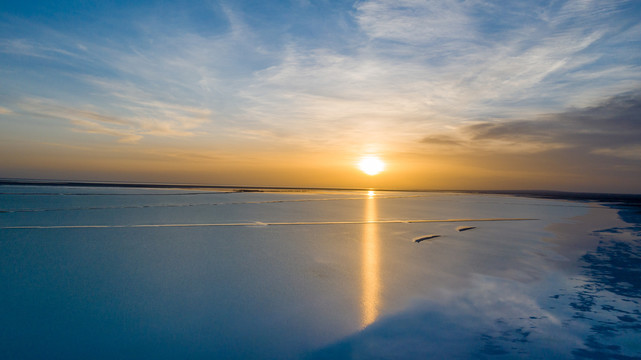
(371, 263)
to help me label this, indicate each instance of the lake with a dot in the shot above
(127, 273)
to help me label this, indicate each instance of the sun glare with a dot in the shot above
(371, 165)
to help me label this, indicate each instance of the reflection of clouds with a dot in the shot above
(391, 69)
(494, 317)
(609, 296)
(592, 315)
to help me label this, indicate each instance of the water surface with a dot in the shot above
(351, 285)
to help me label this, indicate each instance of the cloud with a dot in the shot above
(593, 148)
(413, 22)
(601, 129)
(632, 152)
(432, 65)
(397, 69)
(151, 115)
(169, 119)
(25, 47)
(151, 83)
(97, 128)
(473, 63)
(443, 140)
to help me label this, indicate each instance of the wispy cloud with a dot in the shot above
(415, 63)
(433, 65)
(176, 121)
(91, 127)
(489, 318)
(26, 47)
(383, 76)
(413, 22)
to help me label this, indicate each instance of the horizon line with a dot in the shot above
(538, 193)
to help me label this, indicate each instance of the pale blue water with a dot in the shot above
(556, 286)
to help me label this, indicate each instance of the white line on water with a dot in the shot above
(413, 221)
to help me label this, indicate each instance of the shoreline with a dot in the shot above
(616, 198)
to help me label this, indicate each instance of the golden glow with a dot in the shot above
(371, 263)
(371, 165)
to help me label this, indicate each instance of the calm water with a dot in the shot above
(97, 273)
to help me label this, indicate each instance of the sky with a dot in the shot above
(455, 94)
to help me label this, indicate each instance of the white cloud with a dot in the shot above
(426, 66)
(91, 127)
(171, 120)
(632, 152)
(414, 22)
(411, 67)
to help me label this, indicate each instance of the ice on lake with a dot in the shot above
(109, 273)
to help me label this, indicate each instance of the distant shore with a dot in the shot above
(623, 199)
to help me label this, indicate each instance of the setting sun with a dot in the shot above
(371, 165)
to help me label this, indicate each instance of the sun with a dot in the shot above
(371, 165)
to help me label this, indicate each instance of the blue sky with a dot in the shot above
(227, 83)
